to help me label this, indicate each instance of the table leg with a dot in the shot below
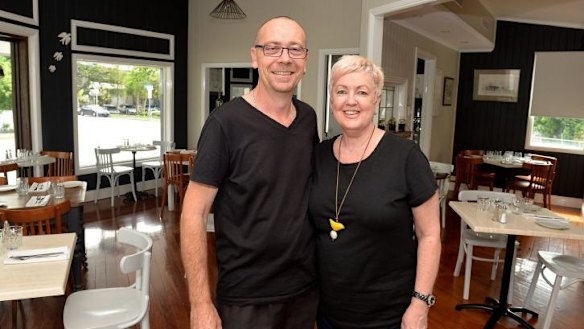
(75, 225)
(499, 307)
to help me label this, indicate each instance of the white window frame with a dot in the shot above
(166, 115)
(529, 146)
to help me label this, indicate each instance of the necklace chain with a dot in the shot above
(338, 206)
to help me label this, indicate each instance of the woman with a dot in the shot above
(375, 207)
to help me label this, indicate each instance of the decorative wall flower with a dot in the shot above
(52, 68)
(58, 56)
(65, 38)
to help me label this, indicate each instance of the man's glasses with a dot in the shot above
(276, 51)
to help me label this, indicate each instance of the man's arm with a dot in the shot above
(193, 236)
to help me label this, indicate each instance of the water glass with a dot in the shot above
(22, 186)
(58, 190)
(14, 239)
(483, 203)
(2, 243)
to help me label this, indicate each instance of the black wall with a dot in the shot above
(163, 16)
(502, 126)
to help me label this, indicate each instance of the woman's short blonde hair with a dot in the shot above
(355, 63)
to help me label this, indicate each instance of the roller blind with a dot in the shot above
(557, 84)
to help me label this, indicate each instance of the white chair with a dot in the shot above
(119, 307)
(563, 266)
(106, 168)
(156, 165)
(470, 239)
(443, 185)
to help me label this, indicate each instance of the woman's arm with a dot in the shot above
(427, 226)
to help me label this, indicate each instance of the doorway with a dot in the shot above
(423, 99)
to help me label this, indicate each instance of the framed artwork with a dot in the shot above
(496, 85)
(448, 92)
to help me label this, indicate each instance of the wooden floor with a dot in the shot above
(169, 302)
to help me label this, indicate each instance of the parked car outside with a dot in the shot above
(128, 109)
(112, 109)
(93, 110)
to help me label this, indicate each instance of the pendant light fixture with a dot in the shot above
(228, 9)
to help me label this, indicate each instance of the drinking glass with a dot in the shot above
(58, 190)
(22, 186)
(14, 240)
(482, 203)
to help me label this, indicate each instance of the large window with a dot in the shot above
(119, 99)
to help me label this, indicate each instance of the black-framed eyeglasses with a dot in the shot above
(276, 51)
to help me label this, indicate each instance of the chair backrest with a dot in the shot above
(63, 165)
(39, 220)
(472, 152)
(439, 167)
(472, 195)
(540, 175)
(553, 161)
(52, 179)
(104, 159)
(465, 169)
(174, 167)
(165, 146)
(139, 261)
(5, 168)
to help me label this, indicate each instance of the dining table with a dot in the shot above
(517, 224)
(31, 165)
(24, 279)
(73, 220)
(506, 169)
(37, 279)
(135, 149)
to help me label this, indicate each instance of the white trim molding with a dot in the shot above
(34, 20)
(76, 46)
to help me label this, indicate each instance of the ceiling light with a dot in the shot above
(228, 9)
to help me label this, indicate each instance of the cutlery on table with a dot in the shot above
(25, 257)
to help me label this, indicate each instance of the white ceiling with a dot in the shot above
(440, 24)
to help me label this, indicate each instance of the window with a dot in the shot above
(556, 134)
(556, 119)
(117, 99)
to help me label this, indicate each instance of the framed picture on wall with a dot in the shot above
(448, 92)
(496, 85)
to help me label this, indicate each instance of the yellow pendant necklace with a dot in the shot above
(337, 226)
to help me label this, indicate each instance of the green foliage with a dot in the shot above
(115, 84)
(560, 128)
(6, 102)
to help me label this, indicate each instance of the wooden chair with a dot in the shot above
(63, 166)
(35, 221)
(538, 183)
(473, 152)
(6, 168)
(554, 163)
(467, 173)
(52, 179)
(177, 171)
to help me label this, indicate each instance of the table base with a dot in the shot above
(499, 311)
(129, 197)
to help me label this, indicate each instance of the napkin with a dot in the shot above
(38, 201)
(36, 255)
(39, 187)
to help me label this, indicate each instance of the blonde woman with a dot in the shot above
(375, 207)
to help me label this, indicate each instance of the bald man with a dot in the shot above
(253, 166)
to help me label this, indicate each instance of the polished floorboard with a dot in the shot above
(169, 307)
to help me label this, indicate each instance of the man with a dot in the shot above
(253, 165)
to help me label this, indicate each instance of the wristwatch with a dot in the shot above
(429, 299)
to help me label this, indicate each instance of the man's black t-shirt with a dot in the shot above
(265, 242)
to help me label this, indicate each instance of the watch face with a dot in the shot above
(431, 300)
